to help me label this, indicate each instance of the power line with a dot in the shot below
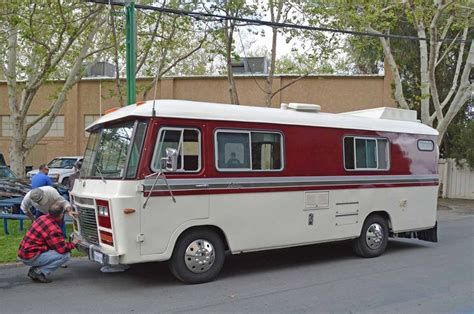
(219, 17)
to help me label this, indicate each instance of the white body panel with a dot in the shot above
(252, 221)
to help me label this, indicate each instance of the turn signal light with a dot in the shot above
(106, 238)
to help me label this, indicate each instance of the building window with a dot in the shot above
(249, 151)
(188, 144)
(56, 130)
(364, 153)
(88, 120)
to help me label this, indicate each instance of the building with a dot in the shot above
(92, 96)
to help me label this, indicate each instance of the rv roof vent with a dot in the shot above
(304, 107)
(387, 113)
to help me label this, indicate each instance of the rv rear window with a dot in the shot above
(188, 144)
(248, 151)
(364, 153)
(425, 145)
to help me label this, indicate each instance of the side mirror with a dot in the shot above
(171, 160)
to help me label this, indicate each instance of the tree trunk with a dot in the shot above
(17, 151)
(425, 82)
(229, 36)
(271, 74)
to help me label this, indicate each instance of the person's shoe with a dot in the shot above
(43, 279)
(32, 274)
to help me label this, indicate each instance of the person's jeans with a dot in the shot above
(47, 262)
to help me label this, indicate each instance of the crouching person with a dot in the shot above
(43, 247)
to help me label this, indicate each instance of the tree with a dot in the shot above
(459, 140)
(40, 41)
(224, 35)
(433, 22)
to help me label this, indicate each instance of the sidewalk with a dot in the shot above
(449, 209)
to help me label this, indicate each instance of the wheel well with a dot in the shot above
(384, 215)
(212, 228)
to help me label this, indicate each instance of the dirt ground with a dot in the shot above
(457, 205)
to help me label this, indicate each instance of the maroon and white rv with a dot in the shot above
(186, 181)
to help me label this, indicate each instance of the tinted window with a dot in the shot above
(367, 153)
(249, 150)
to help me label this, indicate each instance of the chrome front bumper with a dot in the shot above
(95, 253)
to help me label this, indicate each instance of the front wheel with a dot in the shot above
(373, 239)
(198, 257)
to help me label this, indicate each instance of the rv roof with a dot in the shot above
(224, 112)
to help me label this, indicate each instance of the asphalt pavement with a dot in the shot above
(411, 277)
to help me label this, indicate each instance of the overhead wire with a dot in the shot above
(219, 17)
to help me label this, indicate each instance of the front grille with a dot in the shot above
(88, 224)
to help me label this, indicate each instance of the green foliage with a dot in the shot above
(459, 141)
(50, 35)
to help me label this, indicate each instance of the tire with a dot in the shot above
(373, 238)
(65, 181)
(194, 268)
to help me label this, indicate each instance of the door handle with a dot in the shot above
(202, 185)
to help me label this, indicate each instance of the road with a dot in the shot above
(413, 276)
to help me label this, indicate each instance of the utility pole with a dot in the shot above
(131, 44)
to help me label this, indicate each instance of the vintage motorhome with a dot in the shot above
(186, 181)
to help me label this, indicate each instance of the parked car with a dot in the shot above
(60, 168)
(13, 189)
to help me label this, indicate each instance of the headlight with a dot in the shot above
(55, 176)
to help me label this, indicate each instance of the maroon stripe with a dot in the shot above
(290, 189)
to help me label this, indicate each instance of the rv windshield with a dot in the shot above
(107, 150)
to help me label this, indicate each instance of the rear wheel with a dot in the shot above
(65, 181)
(373, 239)
(198, 256)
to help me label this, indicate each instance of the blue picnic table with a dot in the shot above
(6, 216)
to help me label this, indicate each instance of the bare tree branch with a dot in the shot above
(462, 95)
(289, 84)
(457, 71)
(433, 57)
(172, 65)
(73, 77)
(398, 94)
(10, 71)
(144, 57)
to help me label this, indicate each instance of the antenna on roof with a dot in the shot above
(153, 112)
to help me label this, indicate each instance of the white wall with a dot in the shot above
(456, 181)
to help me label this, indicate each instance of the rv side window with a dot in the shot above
(188, 144)
(248, 151)
(361, 153)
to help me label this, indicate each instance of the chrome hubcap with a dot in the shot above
(199, 256)
(374, 236)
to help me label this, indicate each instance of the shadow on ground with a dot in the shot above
(253, 263)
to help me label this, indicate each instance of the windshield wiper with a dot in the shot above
(100, 173)
(158, 175)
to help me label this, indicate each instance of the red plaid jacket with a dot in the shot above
(44, 234)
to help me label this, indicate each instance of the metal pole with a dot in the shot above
(131, 52)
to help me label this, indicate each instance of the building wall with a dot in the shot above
(94, 96)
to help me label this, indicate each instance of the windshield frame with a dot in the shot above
(100, 128)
